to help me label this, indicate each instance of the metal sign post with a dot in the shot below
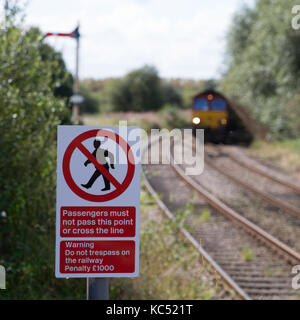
(97, 289)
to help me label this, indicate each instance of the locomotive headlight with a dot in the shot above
(196, 120)
(223, 121)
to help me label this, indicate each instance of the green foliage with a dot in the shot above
(182, 215)
(90, 103)
(29, 115)
(264, 66)
(117, 94)
(238, 37)
(205, 215)
(172, 118)
(62, 80)
(187, 88)
(139, 90)
(281, 153)
(247, 254)
(170, 94)
(210, 84)
(101, 90)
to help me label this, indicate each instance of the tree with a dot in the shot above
(264, 66)
(30, 111)
(90, 103)
(238, 36)
(170, 95)
(210, 84)
(139, 90)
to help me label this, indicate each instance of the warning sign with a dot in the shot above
(109, 221)
(98, 194)
(90, 257)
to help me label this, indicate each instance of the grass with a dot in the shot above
(182, 215)
(142, 120)
(169, 118)
(205, 215)
(247, 254)
(171, 198)
(293, 145)
(284, 154)
(173, 117)
(269, 272)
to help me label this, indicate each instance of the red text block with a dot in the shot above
(86, 257)
(97, 222)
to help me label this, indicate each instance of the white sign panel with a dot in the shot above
(77, 99)
(98, 201)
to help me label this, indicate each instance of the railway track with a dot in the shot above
(277, 199)
(271, 218)
(239, 157)
(224, 238)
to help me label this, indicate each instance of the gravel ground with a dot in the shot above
(266, 166)
(264, 184)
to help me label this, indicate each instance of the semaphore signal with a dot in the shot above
(75, 34)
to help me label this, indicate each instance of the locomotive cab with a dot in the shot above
(210, 111)
(214, 113)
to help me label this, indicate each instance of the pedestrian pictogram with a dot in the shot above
(98, 192)
(100, 155)
(98, 159)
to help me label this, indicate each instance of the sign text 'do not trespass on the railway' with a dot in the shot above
(98, 193)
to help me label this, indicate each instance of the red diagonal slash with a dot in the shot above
(77, 143)
(98, 165)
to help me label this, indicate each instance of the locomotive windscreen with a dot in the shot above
(201, 104)
(218, 105)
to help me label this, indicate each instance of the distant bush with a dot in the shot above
(170, 94)
(90, 103)
(134, 91)
(187, 88)
(172, 118)
(139, 90)
(144, 90)
(101, 90)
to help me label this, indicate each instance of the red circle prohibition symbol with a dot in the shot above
(77, 143)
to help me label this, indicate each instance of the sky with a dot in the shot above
(181, 38)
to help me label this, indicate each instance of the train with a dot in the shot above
(213, 112)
